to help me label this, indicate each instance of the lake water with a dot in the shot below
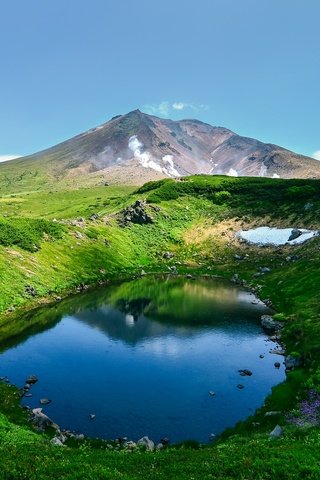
(142, 356)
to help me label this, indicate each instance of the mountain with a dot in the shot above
(137, 147)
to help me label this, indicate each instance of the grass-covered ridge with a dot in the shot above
(196, 220)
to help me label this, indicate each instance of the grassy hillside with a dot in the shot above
(50, 243)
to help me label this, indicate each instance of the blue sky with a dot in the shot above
(250, 65)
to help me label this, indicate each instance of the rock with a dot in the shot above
(272, 414)
(268, 323)
(276, 432)
(295, 233)
(261, 356)
(212, 437)
(130, 445)
(212, 393)
(41, 420)
(173, 269)
(160, 446)
(240, 386)
(277, 351)
(265, 270)
(56, 441)
(143, 273)
(26, 386)
(92, 416)
(80, 436)
(136, 213)
(308, 206)
(32, 379)
(45, 401)
(94, 216)
(238, 257)
(189, 275)
(27, 395)
(167, 255)
(245, 373)
(11, 309)
(146, 443)
(30, 290)
(292, 362)
(277, 365)
(165, 441)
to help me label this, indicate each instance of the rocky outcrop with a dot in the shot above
(41, 420)
(292, 362)
(268, 323)
(136, 213)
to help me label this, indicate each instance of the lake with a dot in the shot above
(157, 356)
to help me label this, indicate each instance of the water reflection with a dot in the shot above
(143, 355)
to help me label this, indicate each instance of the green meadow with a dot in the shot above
(54, 239)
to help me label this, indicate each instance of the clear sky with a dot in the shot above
(250, 65)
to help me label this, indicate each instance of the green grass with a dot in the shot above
(68, 253)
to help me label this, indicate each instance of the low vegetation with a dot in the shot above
(50, 243)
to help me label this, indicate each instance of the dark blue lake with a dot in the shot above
(144, 355)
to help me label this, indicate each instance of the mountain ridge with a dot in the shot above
(136, 147)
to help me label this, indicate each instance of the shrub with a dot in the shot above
(221, 197)
(28, 233)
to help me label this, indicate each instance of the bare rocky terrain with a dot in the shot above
(136, 147)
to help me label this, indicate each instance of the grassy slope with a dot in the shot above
(197, 221)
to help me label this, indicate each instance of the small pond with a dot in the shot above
(143, 357)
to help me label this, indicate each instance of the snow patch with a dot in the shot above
(275, 175)
(275, 236)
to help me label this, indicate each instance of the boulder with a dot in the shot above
(32, 379)
(295, 233)
(45, 401)
(57, 442)
(277, 432)
(136, 213)
(41, 420)
(265, 270)
(146, 443)
(245, 373)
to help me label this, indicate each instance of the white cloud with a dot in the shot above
(6, 158)
(179, 105)
(165, 108)
(316, 155)
(162, 109)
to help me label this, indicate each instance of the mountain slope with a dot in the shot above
(137, 147)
